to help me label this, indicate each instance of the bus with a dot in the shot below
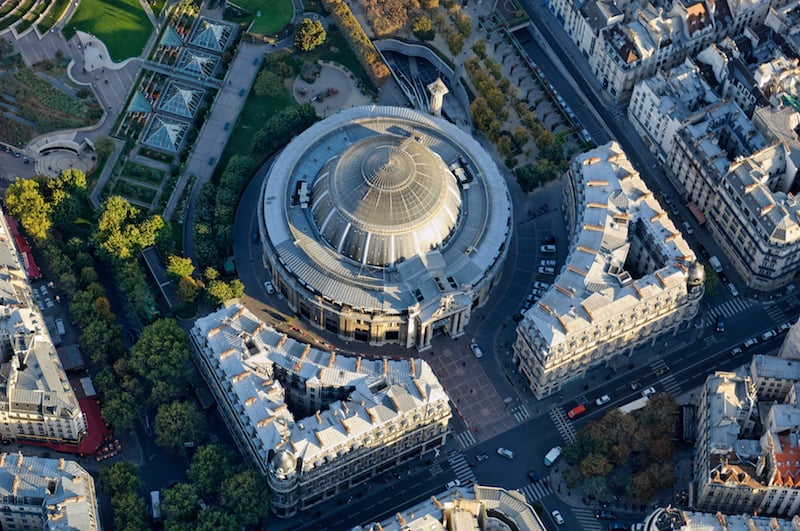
(155, 506)
(639, 403)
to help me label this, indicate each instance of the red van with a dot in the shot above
(577, 411)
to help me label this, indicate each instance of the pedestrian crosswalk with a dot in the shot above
(726, 309)
(536, 491)
(465, 439)
(586, 518)
(520, 413)
(665, 377)
(563, 424)
(460, 466)
(775, 312)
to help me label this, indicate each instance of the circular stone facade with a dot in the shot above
(386, 225)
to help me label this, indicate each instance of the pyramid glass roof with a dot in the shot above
(165, 134)
(171, 38)
(139, 103)
(198, 64)
(181, 100)
(211, 35)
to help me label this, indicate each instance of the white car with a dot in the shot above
(550, 263)
(769, 334)
(649, 391)
(548, 248)
(750, 342)
(541, 285)
(269, 287)
(732, 289)
(476, 350)
(688, 227)
(557, 517)
(605, 399)
(454, 483)
(505, 452)
(546, 270)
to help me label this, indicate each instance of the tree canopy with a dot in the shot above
(177, 423)
(121, 232)
(309, 35)
(161, 357)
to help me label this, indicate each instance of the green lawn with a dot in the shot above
(121, 24)
(275, 14)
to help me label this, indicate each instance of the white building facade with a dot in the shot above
(315, 422)
(629, 276)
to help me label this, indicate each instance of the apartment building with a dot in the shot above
(36, 400)
(677, 518)
(735, 177)
(774, 377)
(478, 508)
(40, 493)
(629, 276)
(315, 422)
(748, 446)
(626, 42)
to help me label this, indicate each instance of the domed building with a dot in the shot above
(385, 225)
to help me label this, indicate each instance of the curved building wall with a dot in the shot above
(411, 298)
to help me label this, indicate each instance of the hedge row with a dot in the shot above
(367, 55)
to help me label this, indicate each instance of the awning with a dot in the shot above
(698, 215)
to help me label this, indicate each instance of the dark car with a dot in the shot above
(618, 526)
(720, 326)
(533, 475)
(254, 235)
(605, 515)
(550, 240)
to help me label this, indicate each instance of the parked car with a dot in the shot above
(605, 515)
(750, 342)
(62, 330)
(736, 351)
(605, 399)
(618, 526)
(557, 517)
(454, 483)
(483, 456)
(688, 227)
(546, 270)
(541, 285)
(546, 263)
(548, 248)
(269, 287)
(784, 327)
(769, 334)
(649, 391)
(476, 349)
(732, 289)
(505, 452)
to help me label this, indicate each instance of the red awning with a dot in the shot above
(698, 215)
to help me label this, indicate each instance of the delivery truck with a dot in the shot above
(552, 456)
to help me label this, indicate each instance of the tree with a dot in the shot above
(211, 465)
(120, 232)
(455, 41)
(218, 291)
(596, 486)
(188, 289)
(595, 464)
(24, 201)
(268, 84)
(178, 266)
(245, 495)
(161, 357)
(96, 338)
(120, 410)
(179, 504)
(422, 28)
(464, 24)
(479, 47)
(214, 519)
(309, 35)
(130, 511)
(103, 146)
(122, 476)
(176, 423)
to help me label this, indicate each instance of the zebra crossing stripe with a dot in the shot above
(465, 439)
(463, 472)
(536, 491)
(587, 519)
(520, 413)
